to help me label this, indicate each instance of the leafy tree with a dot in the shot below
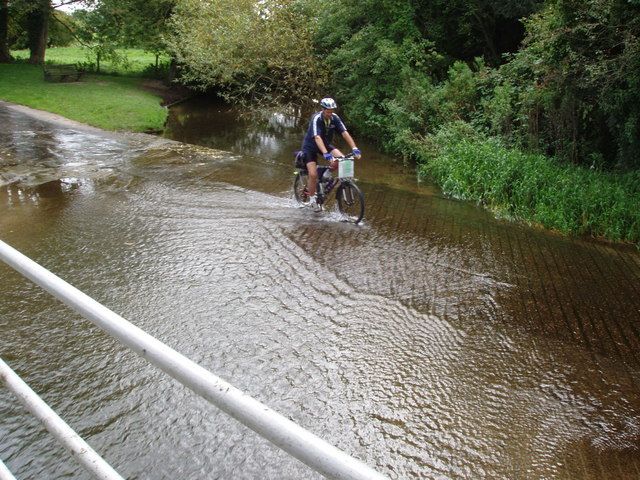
(145, 23)
(125, 23)
(254, 51)
(98, 32)
(466, 29)
(576, 82)
(382, 66)
(61, 29)
(394, 61)
(33, 24)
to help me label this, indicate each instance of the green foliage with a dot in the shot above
(143, 23)
(498, 110)
(61, 27)
(465, 29)
(98, 34)
(420, 107)
(60, 24)
(531, 187)
(113, 103)
(253, 51)
(381, 65)
(390, 75)
(576, 82)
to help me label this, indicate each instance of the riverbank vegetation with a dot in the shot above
(531, 107)
(531, 186)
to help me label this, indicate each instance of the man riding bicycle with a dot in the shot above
(317, 141)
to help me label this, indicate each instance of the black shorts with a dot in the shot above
(312, 155)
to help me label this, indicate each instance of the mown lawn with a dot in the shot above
(109, 102)
(137, 60)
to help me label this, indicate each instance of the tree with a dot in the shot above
(37, 19)
(5, 56)
(29, 20)
(577, 81)
(258, 51)
(466, 29)
(62, 29)
(100, 32)
(111, 24)
(382, 66)
(146, 24)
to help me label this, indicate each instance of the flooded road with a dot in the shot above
(431, 342)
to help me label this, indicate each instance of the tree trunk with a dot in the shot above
(490, 46)
(5, 56)
(38, 30)
(173, 71)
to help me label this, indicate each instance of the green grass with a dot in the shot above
(532, 187)
(112, 103)
(138, 61)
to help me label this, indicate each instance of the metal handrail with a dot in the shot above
(5, 474)
(290, 437)
(78, 448)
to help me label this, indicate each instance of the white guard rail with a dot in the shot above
(293, 439)
(78, 448)
(5, 474)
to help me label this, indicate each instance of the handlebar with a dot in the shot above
(348, 156)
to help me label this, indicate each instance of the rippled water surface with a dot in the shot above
(433, 341)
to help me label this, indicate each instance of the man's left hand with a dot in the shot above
(356, 152)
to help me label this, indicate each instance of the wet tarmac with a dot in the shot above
(433, 341)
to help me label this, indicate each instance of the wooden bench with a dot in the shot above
(62, 73)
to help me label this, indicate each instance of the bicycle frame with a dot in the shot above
(321, 192)
(349, 198)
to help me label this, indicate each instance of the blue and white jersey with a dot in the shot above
(326, 129)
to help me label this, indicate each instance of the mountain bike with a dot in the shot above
(348, 196)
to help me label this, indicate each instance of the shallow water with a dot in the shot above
(433, 341)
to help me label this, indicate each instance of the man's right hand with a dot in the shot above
(328, 157)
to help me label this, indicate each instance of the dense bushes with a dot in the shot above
(544, 135)
(381, 64)
(575, 83)
(571, 91)
(531, 187)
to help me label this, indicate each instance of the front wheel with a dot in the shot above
(350, 202)
(299, 187)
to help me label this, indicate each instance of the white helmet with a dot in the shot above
(328, 103)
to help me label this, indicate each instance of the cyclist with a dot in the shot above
(317, 141)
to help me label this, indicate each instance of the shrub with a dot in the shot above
(531, 187)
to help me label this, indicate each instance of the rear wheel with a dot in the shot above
(350, 202)
(299, 187)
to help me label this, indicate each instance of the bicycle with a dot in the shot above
(348, 196)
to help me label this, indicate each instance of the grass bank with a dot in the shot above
(133, 61)
(530, 187)
(109, 102)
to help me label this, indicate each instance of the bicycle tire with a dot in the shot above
(299, 185)
(350, 202)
